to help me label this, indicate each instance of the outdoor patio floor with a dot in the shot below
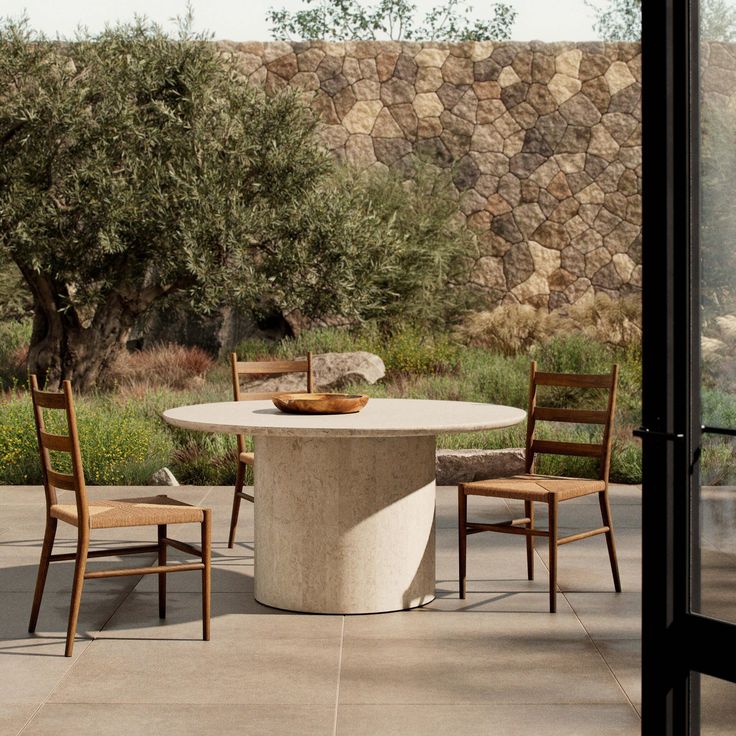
(497, 662)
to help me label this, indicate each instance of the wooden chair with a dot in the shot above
(251, 368)
(88, 515)
(531, 488)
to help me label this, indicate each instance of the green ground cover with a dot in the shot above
(124, 438)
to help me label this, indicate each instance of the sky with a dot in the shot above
(245, 20)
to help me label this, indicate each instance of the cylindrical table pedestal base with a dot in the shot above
(344, 525)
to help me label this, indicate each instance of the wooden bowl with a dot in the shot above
(320, 403)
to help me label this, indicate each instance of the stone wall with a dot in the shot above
(543, 141)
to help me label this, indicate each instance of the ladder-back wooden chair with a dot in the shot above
(257, 368)
(87, 515)
(532, 488)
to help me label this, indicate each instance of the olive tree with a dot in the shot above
(135, 168)
(353, 20)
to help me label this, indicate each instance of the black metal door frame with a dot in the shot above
(673, 637)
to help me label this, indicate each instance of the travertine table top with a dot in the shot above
(380, 417)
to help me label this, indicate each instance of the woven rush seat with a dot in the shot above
(531, 487)
(146, 511)
(247, 457)
(159, 511)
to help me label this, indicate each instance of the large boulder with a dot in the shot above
(163, 477)
(465, 466)
(332, 371)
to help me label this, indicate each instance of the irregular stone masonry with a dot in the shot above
(543, 142)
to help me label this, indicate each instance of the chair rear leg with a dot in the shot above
(206, 572)
(161, 575)
(553, 555)
(239, 483)
(80, 566)
(610, 541)
(529, 513)
(462, 518)
(43, 568)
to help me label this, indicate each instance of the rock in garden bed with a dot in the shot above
(332, 371)
(464, 466)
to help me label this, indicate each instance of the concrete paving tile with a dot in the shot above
(20, 494)
(32, 667)
(584, 566)
(576, 515)
(97, 607)
(230, 574)
(228, 671)
(623, 656)
(447, 507)
(234, 616)
(498, 602)
(467, 625)
(608, 615)
(74, 719)
(18, 572)
(481, 720)
(624, 494)
(485, 669)
(495, 562)
(13, 716)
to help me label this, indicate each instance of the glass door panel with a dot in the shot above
(718, 707)
(714, 504)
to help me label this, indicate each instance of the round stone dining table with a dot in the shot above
(345, 503)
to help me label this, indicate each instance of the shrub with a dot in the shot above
(169, 365)
(404, 351)
(16, 302)
(411, 352)
(14, 339)
(516, 328)
(508, 329)
(208, 460)
(119, 447)
(611, 321)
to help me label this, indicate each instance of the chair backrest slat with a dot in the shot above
(64, 481)
(50, 399)
(572, 416)
(48, 442)
(240, 368)
(271, 366)
(573, 380)
(555, 447)
(600, 450)
(57, 442)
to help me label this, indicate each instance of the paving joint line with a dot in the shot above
(339, 674)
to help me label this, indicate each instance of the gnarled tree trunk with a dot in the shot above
(62, 347)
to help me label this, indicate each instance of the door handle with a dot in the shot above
(645, 432)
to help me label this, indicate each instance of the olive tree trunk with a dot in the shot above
(63, 347)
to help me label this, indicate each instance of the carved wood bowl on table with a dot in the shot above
(320, 403)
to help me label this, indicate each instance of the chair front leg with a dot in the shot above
(239, 483)
(610, 541)
(552, 554)
(161, 575)
(43, 568)
(462, 520)
(529, 513)
(80, 565)
(206, 572)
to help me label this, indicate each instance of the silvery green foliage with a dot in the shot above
(617, 20)
(352, 20)
(620, 20)
(135, 167)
